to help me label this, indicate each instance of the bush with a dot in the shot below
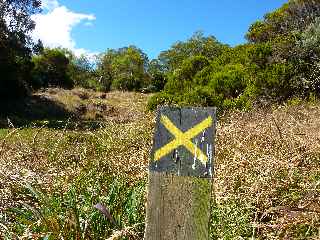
(182, 79)
(51, 69)
(126, 82)
(161, 98)
(158, 81)
(275, 82)
(230, 81)
(92, 83)
(203, 84)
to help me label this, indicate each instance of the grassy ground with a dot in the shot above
(267, 174)
(51, 176)
(54, 171)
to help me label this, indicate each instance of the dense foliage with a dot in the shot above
(16, 46)
(280, 61)
(124, 69)
(51, 69)
(82, 71)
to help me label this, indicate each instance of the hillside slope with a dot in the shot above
(267, 172)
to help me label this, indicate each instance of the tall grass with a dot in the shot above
(70, 213)
(82, 183)
(267, 173)
(53, 178)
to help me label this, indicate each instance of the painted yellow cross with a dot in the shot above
(183, 139)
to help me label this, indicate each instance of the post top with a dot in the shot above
(184, 141)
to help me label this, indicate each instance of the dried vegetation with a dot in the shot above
(268, 170)
(267, 175)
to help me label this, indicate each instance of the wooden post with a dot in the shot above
(180, 174)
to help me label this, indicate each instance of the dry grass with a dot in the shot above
(127, 133)
(267, 176)
(269, 162)
(115, 106)
(55, 160)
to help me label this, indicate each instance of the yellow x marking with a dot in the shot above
(183, 139)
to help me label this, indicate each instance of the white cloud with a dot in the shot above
(55, 26)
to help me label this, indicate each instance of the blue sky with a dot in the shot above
(95, 25)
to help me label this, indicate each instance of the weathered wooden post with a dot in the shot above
(180, 174)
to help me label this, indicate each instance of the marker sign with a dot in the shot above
(184, 141)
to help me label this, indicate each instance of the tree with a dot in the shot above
(197, 45)
(51, 69)
(124, 69)
(294, 16)
(157, 74)
(82, 71)
(105, 68)
(16, 46)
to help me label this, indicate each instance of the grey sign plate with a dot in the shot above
(184, 141)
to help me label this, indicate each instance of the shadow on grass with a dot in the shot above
(39, 111)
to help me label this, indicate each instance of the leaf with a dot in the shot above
(105, 212)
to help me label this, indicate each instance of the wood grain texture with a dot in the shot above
(178, 207)
(180, 174)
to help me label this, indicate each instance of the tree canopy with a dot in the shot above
(197, 45)
(16, 46)
(279, 61)
(124, 69)
(51, 69)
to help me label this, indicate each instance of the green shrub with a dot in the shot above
(158, 82)
(51, 69)
(242, 102)
(200, 96)
(275, 82)
(126, 83)
(230, 81)
(182, 79)
(158, 77)
(161, 98)
(197, 84)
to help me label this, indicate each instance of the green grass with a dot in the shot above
(3, 132)
(69, 213)
(231, 219)
(61, 205)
